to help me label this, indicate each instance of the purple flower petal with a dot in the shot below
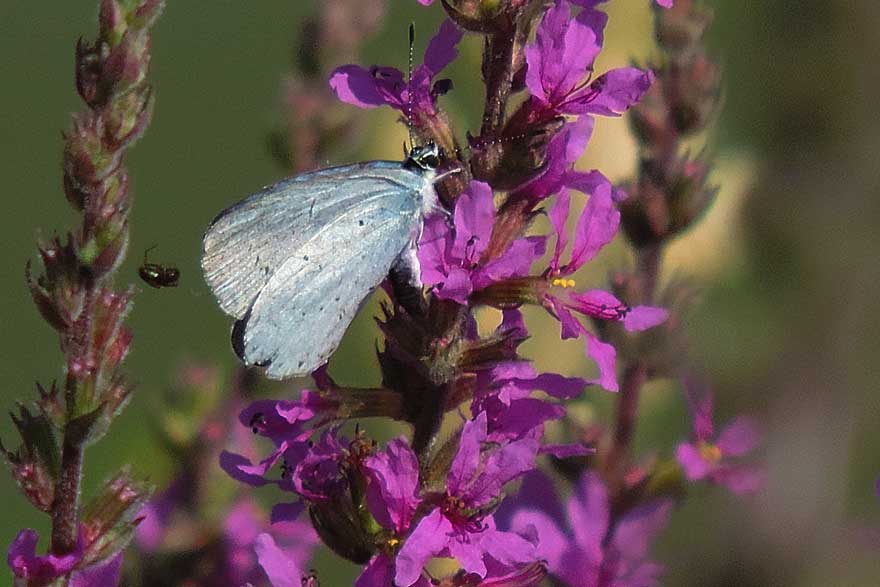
(644, 317)
(241, 469)
(394, 481)
(379, 572)
(663, 3)
(468, 553)
(563, 151)
(503, 465)
(508, 548)
(103, 574)
(536, 493)
(558, 215)
(442, 49)
(286, 512)
(635, 531)
(151, 530)
(514, 262)
(738, 438)
(281, 570)
(605, 357)
(512, 323)
(595, 19)
(562, 54)
(597, 303)
(429, 538)
(457, 286)
(433, 251)
(474, 216)
(24, 562)
(517, 420)
(588, 512)
(595, 228)
(612, 93)
(739, 479)
(694, 465)
(467, 460)
(571, 328)
(559, 386)
(356, 86)
(551, 540)
(700, 404)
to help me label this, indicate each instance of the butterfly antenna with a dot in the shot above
(409, 71)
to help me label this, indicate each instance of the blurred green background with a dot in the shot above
(787, 262)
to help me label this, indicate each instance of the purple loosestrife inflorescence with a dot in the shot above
(712, 457)
(74, 294)
(427, 495)
(592, 552)
(459, 524)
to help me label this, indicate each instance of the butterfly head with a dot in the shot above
(423, 158)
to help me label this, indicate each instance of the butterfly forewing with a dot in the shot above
(249, 241)
(294, 262)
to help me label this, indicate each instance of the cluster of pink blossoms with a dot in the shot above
(383, 507)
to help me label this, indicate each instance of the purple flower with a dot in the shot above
(714, 458)
(565, 148)
(392, 493)
(105, 573)
(281, 569)
(450, 257)
(288, 424)
(458, 525)
(242, 530)
(663, 3)
(318, 475)
(595, 228)
(386, 86)
(503, 390)
(38, 571)
(392, 498)
(560, 66)
(586, 556)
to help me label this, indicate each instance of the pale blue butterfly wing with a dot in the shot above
(294, 262)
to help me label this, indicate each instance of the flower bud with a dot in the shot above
(484, 16)
(88, 72)
(338, 524)
(682, 27)
(126, 65)
(129, 116)
(516, 156)
(110, 518)
(36, 463)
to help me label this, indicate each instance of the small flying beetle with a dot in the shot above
(156, 275)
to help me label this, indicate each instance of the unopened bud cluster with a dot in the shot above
(74, 294)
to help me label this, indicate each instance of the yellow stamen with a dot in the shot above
(710, 452)
(564, 283)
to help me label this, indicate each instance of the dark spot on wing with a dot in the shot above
(305, 257)
(360, 222)
(238, 335)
